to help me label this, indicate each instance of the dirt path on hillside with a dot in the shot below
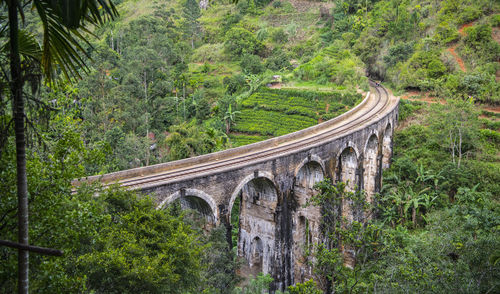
(494, 109)
(456, 57)
(453, 48)
(461, 30)
(423, 97)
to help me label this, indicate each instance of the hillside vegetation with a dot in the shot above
(169, 80)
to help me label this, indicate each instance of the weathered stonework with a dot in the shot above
(275, 224)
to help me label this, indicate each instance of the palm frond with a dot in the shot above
(64, 22)
(28, 46)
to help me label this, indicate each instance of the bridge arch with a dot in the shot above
(348, 145)
(187, 193)
(311, 158)
(306, 219)
(310, 171)
(246, 180)
(348, 165)
(370, 165)
(258, 202)
(387, 146)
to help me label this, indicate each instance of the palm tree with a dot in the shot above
(64, 24)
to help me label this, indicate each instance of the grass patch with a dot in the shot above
(489, 124)
(242, 139)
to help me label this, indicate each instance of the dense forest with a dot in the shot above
(169, 79)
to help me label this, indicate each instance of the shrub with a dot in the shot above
(262, 34)
(421, 70)
(230, 20)
(278, 60)
(495, 20)
(333, 65)
(234, 84)
(277, 4)
(251, 64)
(279, 36)
(239, 41)
(445, 33)
(479, 45)
(209, 53)
(399, 53)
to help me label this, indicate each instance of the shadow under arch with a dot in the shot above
(373, 133)
(370, 166)
(246, 180)
(387, 146)
(348, 145)
(192, 193)
(311, 158)
(348, 163)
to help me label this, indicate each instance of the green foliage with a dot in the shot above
(220, 262)
(239, 41)
(479, 45)
(361, 237)
(145, 248)
(495, 20)
(456, 247)
(399, 53)
(445, 33)
(234, 84)
(257, 285)
(421, 70)
(270, 123)
(251, 64)
(209, 53)
(408, 108)
(278, 60)
(488, 124)
(308, 287)
(240, 139)
(114, 243)
(279, 36)
(187, 140)
(333, 65)
(456, 127)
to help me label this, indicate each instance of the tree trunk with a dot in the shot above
(414, 216)
(147, 117)
(459, 147)
(18, 114)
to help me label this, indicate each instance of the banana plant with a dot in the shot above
(230, 117)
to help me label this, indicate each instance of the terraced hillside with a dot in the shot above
(272, 112)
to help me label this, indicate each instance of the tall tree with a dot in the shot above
(192, 13)
(63, 23)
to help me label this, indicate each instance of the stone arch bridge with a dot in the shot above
(272, 180)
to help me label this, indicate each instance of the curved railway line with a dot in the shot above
(372, 108)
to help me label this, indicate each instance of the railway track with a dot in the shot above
(356, 118)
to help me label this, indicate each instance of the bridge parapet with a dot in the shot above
(220, 155)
